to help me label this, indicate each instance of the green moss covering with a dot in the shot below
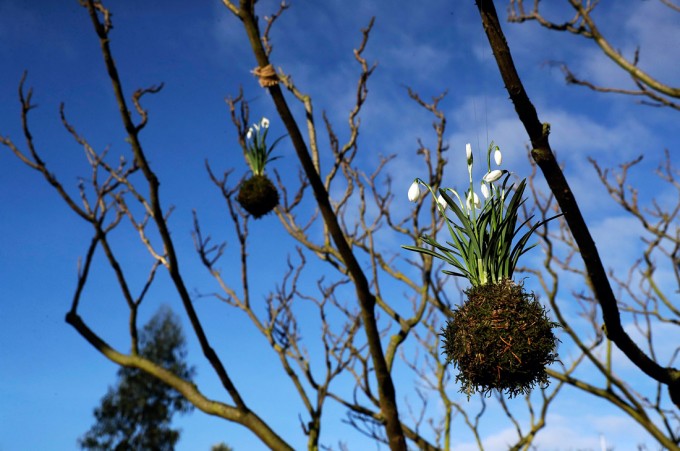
(258, 195)
(500, 338)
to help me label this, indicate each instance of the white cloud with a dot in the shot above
(570, 431)
(409, 53)
(499, 440)
(652, 26)
(618, 241)
(583, 430)
(664, 339)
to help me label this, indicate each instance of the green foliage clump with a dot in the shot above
(482, 235)
(136, 414)
(221, 447)
(257, 152)
(258, 195)
(500, 338)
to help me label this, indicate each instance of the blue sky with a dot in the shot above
(52, 379)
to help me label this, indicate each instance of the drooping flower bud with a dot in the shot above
(414, 191)
(498, 157)
(493, 176)
(249, 135)
(485, 191)
(442, 202)
(473, 199)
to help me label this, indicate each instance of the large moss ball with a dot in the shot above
(500, 338)
(258, 195)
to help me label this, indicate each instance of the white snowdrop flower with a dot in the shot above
(498, 157)
(473, 198)
(441, 201)
(485, 191)
(493, 176)
(414, 191)
(265, 124)
(249, 135)
(468, 153)
(478, 203)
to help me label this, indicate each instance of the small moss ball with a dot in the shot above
(500, 338)
(258, 195)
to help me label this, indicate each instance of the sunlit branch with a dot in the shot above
(584, 25)
(306, 100)
(642, 91)
(102, 30)
(187, 389)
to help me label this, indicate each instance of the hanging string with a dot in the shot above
(485, 55)
(474, 110)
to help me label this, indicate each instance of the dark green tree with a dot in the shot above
(136, 413)
(221, 447)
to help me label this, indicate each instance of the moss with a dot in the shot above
(258, 195)
(500, 338)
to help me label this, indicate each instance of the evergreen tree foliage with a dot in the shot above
(136, 413)
(221, 447)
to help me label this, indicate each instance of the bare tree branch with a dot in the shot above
(583, 24)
